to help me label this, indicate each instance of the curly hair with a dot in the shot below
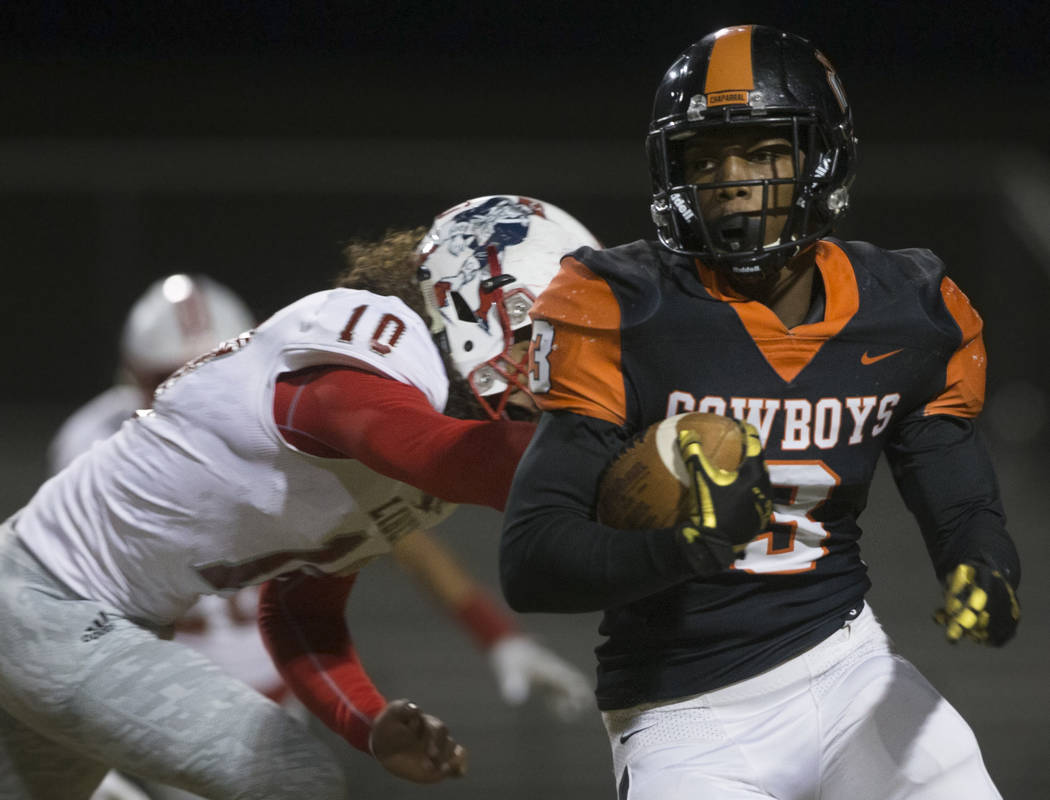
(388, 266)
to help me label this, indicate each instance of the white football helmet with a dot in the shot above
(176, 319)
(482, 265)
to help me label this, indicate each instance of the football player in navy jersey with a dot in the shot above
(762, 674)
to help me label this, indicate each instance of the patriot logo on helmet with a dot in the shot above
(479, 235)
(482, 265)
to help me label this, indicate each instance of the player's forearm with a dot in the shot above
(456, 460)
(430, 564)
(303, 624)
(433, 566)
(565, 564)
(553, 556)
(947, 479)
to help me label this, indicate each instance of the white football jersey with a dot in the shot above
(202, 495)
(100, 417)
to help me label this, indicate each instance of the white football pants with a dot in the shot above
(846, 720)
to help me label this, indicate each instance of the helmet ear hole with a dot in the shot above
(463, 310)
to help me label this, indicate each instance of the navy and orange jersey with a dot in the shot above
(628, 336)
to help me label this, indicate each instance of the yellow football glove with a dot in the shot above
(979, 604)
(730, 507)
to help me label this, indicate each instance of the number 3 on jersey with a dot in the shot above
(539, 354)
(795, 539)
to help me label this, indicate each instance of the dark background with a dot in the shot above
(250, 141)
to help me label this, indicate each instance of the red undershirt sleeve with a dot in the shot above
(340, 412)
(302, 620)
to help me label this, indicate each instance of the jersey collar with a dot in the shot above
(788, 351)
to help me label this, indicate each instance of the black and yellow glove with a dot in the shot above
(979, 604)
(730, 507)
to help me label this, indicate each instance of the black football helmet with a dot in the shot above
(751, 75)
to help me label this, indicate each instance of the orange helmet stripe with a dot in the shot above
(729, 67)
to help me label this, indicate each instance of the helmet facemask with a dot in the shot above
(737, 242)
(495, 381)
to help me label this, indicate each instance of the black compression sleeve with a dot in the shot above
(553, 556)
(946, 477)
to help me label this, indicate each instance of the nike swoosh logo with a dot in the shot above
(627, 736)
(866, 359)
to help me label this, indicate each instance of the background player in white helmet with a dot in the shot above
(288, 457)
(177, 318)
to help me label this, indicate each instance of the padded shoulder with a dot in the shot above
(375, 332)
(916, 265)
(636, 273)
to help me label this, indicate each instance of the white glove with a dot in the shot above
(522, 665)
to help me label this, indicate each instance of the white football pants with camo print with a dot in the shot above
(84, 689)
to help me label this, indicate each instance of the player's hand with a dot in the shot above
(979, 604)
(414, 745)
(523, 666)
(730, 507)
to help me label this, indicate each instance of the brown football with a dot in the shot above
(647, 485)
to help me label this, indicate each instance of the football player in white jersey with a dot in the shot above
(286, 458)
(181, 316)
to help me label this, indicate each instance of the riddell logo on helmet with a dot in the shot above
(727, 98)
(682, 207)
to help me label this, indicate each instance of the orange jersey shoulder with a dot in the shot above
(575, 354)
(963, 394)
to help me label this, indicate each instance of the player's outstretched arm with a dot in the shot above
(522, 666)
(390, 427)
(945, 475)
(414, 745)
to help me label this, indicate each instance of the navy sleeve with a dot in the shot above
(945, 475)
(553, 556)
